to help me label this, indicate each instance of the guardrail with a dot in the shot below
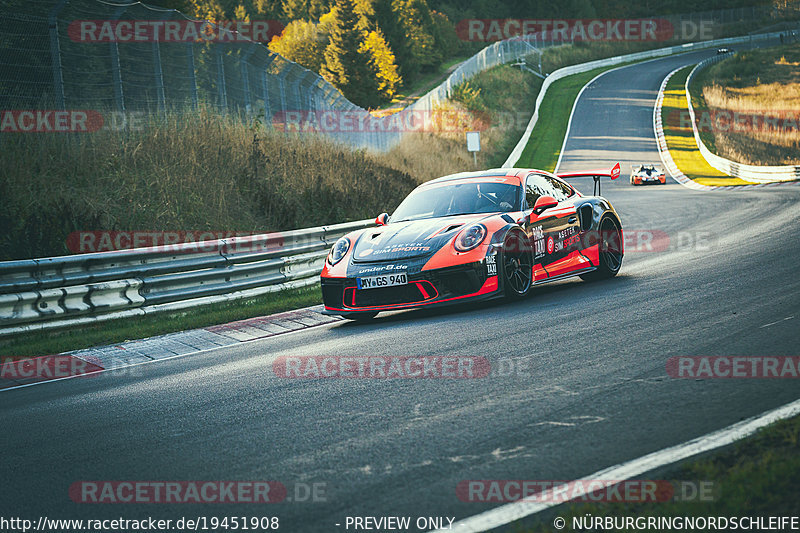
(59, 291)
(755, 173)
(617, 60)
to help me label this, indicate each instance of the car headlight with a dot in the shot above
(470, 238)
(339, 250)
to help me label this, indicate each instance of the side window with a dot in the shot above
(562, 189)
(537, 185)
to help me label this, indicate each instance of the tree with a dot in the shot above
(382, 63)
(347, 63)
(305, 9)
(444, 34)
(415, 16)
(302, 42)
(381, 15)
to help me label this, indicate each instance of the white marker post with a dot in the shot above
(474, 145)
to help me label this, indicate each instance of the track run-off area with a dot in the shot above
(578, 379)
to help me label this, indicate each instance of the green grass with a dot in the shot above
(680, 139)
(548, 135)
(751, 82)
(757, 476)
(507, 96)
(105, 333)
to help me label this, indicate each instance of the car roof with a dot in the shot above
(489, 173)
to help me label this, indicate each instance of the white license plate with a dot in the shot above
(387, 280)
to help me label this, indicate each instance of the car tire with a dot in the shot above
(516, 266)
(610, 251)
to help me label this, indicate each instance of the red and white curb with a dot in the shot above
(33, 371)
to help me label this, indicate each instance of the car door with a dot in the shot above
(553, 232)
(567, 240)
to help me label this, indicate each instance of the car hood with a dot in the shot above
(405, 240)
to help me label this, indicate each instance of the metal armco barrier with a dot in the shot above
(755, 173)
(51, 292)
(618, 60)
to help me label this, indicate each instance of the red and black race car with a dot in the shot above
(474, 236)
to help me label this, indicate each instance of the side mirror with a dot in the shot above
(382, 219)
(543, 203)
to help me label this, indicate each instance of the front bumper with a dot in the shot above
(645, 181)
(427, 288)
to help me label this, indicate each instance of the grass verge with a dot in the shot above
(748, 105)
(547, 137)
(680, 137)
(497, 102)
(105, 333)
(755, 477)
(548, 134)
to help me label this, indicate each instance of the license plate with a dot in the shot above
(387, 280)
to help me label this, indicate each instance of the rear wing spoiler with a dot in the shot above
(612, 173)
(657, 168)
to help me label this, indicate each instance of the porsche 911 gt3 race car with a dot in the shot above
(643, 174)
(474, 236)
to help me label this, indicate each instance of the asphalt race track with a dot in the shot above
(589, 387)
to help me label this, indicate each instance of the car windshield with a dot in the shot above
(458, 199)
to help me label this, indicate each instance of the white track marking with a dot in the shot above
(510, 512)
(776, 322)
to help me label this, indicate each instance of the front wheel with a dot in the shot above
(610, 251)
(516, 266)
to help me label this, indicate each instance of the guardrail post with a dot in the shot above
(246, 78)
(192, 76)
(159, 75)
(55, 55)
(222, 92)
(282, 90)
(116, 68)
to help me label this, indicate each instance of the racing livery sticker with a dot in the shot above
(538, 241)
(491, 265)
